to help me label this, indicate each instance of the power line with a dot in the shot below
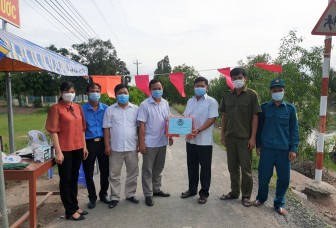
(80, 17)
(108, 25)
(43, 16)
(79, 32)
(59, 21)
(64, 10)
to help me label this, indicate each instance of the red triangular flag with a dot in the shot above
(226, 73)
(177, 79)
(107, 83)
(270, 67)
(142, 82)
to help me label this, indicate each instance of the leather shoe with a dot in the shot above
(105, 200)
(113, 203)
(187, 194)
(133, 199)
(83, 213)
(81, 217)
(149, 201)
(92, 204)
(161, 193)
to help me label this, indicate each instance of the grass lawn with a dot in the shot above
(22, 124)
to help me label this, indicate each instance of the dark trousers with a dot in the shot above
(268, 159)
(96, 150)
(199, 156)
(68, 172)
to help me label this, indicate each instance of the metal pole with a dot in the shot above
(10, 111)
(3, 204)
(323, 109)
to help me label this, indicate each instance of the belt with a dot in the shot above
(95, 139)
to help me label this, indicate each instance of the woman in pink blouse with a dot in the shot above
(66, 125)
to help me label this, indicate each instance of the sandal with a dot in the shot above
(187, 194)
(281, 211)
(228, 197)
(202, 200)
(257, 203)
(246, 202)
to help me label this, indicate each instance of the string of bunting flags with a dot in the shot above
(177, 79)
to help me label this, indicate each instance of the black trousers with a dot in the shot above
(96, 150)
(199, 156)
(68, 172)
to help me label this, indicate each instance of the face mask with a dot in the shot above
(68, 97)
(123, 98)
(157, 93)
(278, 96)
(94, 97)
(238, 83)
(199, 91)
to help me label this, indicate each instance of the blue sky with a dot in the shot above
(205, 34)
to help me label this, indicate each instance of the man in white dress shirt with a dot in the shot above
(204, 109)
(153, 141)
(121, 141)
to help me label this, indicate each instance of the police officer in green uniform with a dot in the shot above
(277, 143)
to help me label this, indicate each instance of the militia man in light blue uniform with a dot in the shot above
(277, 144)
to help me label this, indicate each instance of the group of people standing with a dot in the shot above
(116, 134)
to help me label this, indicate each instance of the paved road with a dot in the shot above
(177, 212)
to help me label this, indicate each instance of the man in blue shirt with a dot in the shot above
(277, 144)
(94, 133)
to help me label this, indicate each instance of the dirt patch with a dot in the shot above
(307, 168)
(324, 207)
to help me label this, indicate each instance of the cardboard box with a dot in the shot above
(42, 154)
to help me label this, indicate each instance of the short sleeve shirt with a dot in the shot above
(94, 120)
(201, 110)
(154, 115)
(123, 127)
(69, 123)
(239, 111)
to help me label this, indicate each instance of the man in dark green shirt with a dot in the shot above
(240, 109)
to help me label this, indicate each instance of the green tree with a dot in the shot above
(100, 57)
(170, 92)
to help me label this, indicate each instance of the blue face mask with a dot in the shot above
(94, 97)
(278, 96)
(123, 98)
(157, 93)
(199, 91)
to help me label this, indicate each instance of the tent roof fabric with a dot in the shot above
(27, 56)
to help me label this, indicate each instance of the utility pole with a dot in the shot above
(137, 66)
(3, 205)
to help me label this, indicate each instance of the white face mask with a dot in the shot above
(68, 96)
(238, 83)
(278, 96)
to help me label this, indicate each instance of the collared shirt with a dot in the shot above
(239, 111)
(203, 109)
(68, 122)
(123, 127)
(154, 115)
(94, 120)
(278, 127)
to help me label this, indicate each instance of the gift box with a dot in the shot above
(42, 154)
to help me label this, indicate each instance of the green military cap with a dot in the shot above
(277, 82)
